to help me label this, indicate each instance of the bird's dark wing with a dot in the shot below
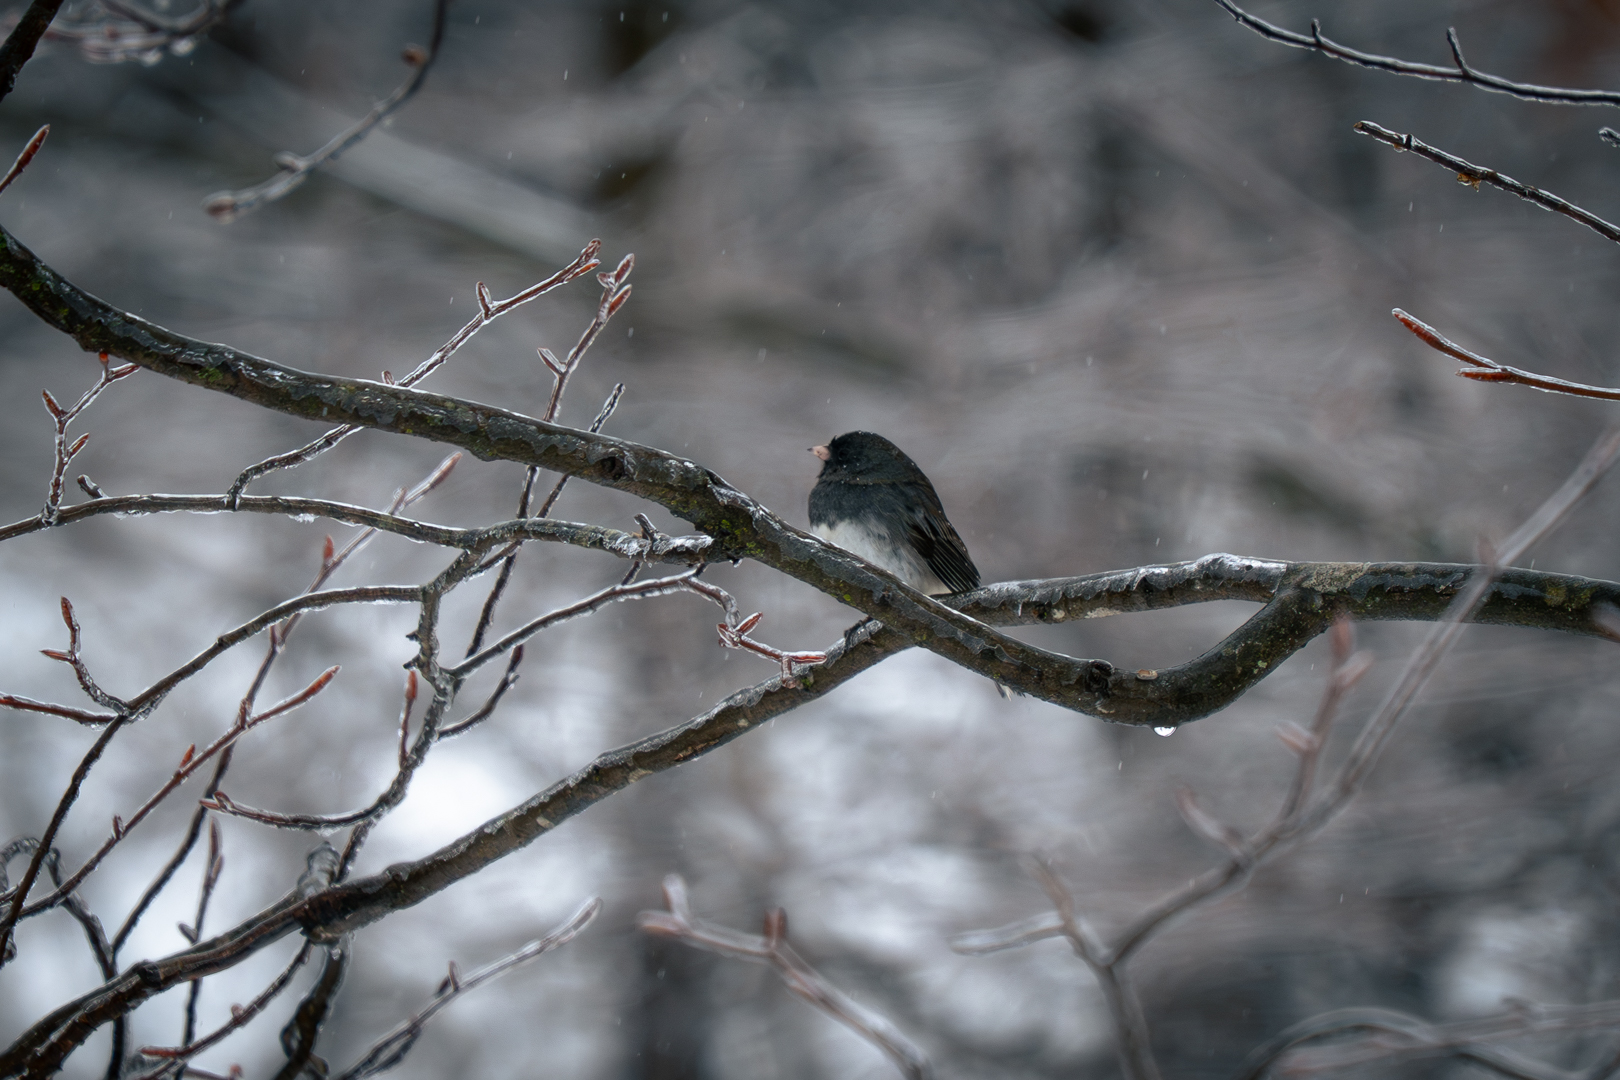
(936, 541)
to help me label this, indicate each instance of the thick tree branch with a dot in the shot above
(20, 44)
(1363, 590)
(741, 528)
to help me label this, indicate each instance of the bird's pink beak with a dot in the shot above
(821, 452)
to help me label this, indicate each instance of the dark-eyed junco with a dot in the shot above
(873, 501)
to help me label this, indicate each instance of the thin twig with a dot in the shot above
(193, 933)
(509, 679)
(82, 716)
(63, 417)
(1490, 371)
(299, 1035)
(1300, 815)
(19, 895)
(227, 206)
(190, 762)
(1461, 72)
(390, 1050)
(734, 631)
(639, 591)
(73, 658)
(804, 981)
(240, 1015)
(1475, 175)
(410, 759)
(488, 311)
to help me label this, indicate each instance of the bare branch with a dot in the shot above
(734, 631)
(1462, 72)
(676, 549)
(62, 418)
(24, 38)
(240, 1015)
(1298, 817)
(1491, 371)
(1475, 175)
(14, 910)
(392, 1048)
(227, 206)
(509, 679)
(802, 979)
(83, 716)
(583, 264)
(211, 871)
(741, 527)
(639, 591)
(300, 1033)
(1040, 927)
(190, 762)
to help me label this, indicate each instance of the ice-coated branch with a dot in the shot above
(391, 1049)
(488, 311)
(64, 454)
(687, 550)
(1304, 810)
(1370, 591)
(1475, 175)
(241, 1016)
(190, 762)
(740, 527)
(212, 869)
(1460, 71)
(1485, 369)
(227, 206)
(24, 38)
(299, 1035)
(804, 981)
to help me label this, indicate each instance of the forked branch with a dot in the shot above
(1460, 71)
(804, 981)
(1485, 369)
(227, 206)
(391, 1049)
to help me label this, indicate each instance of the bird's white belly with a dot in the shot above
(878, 549)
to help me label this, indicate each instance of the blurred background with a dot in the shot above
(1116, 274)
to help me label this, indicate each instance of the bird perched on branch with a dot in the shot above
(873, 501)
